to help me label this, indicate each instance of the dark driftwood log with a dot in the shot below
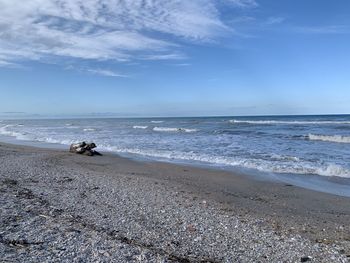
(84, 148)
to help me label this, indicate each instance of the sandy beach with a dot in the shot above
(61, 207)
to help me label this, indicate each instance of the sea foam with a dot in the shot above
(89, 129)
(277, 148)
(267, 122)
(140, 127)
(329, 138)
(157, 121)
(26, 136)
(289, 166)
(18, 135)
(166, 129)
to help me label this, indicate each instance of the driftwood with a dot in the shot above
(84, 148)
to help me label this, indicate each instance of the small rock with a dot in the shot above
(305, 259)
(191, 228)
(198, 239)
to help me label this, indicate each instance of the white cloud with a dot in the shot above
(244, 3)
(5, 63)
(164, 56)
(105, 72)
(118, 30)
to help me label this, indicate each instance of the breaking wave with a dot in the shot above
(166, 129)
(18, 135)
(267, 122)
(278, 148)
(329, 138)
(89, 129)
(24, 136)
(157, 121)
(140, 127)
(293, 166)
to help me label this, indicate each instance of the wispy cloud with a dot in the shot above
(181, 64)
(6, 64)
(331, 29)
(165, 56)
(119, 30)
(273, 20)
(243, 3)
(107, 73)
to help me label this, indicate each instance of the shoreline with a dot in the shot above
(147, 202)
(339, 186)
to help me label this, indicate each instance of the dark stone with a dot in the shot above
(305, 259)
(10, 181)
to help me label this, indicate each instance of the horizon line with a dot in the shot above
(87, 116)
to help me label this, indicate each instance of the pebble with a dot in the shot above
(127, 220)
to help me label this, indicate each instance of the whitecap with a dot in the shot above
(18, 135)
(89, 129)
(140, 127)
(329, 138)
(167, 129)
(333, 170)
(284, 158)
(269, 122)
(295, 167)
(157, 121)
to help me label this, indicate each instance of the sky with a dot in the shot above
(174, 57)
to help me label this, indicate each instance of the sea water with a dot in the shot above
(303, 146)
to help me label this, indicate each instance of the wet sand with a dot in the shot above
(57, 206)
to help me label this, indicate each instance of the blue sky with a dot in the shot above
(174, 57)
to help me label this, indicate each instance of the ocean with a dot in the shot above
(271, 145)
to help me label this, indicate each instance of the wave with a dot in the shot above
(270, 163)
(89, 129)
(278, 157)
(272, 166)
(157, 121)
(166, 129)
(24, 136)
(4, 131)
(72, 126)
(269, 122)
(55, 141)
(140, 127)
(329, 138)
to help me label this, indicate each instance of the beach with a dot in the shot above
(174, 131)
(62, 207)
